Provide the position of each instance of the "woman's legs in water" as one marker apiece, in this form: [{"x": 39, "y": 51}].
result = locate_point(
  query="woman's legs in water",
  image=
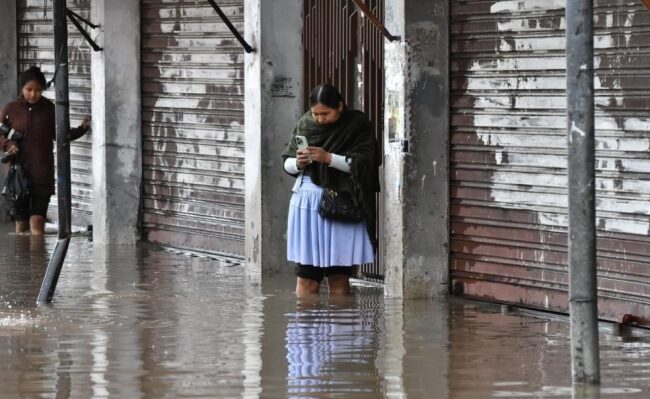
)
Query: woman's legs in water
[
  {"x": 309, "y": 278},
  {"x": 22, "y": 227},
  {"x": 339, "y": 284},
  {"x": 37, "y": 225},
  {"x": 30, "y": 215},
  {"x": 306, "y": 286}
]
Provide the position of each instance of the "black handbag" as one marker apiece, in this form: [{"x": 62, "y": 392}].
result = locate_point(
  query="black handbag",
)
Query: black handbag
[
  {"x": 16, "y": 188},
  {"x": 341, "y": 206}
]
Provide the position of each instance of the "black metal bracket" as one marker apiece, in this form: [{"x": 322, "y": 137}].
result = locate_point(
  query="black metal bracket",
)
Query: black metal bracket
[
  {"x": 375, "y": 21},
  {"x": 224, "y": 18},
  {"x": 82, "y": 19},
  {"x": 74, "y": 18}
]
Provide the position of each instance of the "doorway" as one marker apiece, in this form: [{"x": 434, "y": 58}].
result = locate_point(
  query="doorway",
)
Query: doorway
[{"x": 343, "y": 48}]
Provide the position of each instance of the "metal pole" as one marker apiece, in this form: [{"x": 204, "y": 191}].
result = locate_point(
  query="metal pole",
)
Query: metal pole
[
  {"x": 375, "y": 21},
  {"x": 231, "y": 27},
  {"x": 583, "y": 305},
  {"x": 62, "y": 154},
  {"x": 75, "y": 22}
]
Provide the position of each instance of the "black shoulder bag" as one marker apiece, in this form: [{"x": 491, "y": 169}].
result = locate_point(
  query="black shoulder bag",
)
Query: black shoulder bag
[
  {"x": 341, "y": 206},
  {"x": 16, "y": 188}
]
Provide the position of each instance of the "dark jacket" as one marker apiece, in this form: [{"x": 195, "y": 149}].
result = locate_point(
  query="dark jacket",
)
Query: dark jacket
[{"x": 37, "y": 124}]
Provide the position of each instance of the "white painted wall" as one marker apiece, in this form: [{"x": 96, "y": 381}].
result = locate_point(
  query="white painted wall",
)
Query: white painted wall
[{"x": 273, "y": 105}]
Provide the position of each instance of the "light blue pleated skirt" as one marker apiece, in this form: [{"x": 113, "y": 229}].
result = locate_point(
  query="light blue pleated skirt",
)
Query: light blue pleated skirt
[{"x": 316, "y": 241}]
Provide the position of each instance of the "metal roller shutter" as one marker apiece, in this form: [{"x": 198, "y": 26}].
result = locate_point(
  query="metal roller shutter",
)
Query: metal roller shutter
[
  {"x": 36, "y": 47},
  {"x": 193, "y": 126},
  {"x": 509, "y": 178}
]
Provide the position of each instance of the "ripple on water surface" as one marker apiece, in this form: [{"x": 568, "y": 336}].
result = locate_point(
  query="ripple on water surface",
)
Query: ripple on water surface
[{"x": 131, "y": 322}]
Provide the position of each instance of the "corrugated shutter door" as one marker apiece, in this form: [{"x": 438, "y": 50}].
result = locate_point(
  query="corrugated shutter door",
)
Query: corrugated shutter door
[
  {"x": 36, "y": 47},
  {"x": 509, "y": 178},
  {"x": 193, "y": 126}
]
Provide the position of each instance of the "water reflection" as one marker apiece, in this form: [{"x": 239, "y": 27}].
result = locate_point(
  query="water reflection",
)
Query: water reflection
[
  {"x": 391, "y": 350},
  {"x": 141, "y": 322},
  {"x": 328, "y": 339},
  {"x": 252, "y": 320}
]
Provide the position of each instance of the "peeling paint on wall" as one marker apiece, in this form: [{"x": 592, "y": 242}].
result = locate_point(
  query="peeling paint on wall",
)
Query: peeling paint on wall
[
  {"x": 193, "y": 118},
  {"x": 509, "y": 144},
  {"x": 394, "y": 91},
  {"x": 486, "y": 78}
]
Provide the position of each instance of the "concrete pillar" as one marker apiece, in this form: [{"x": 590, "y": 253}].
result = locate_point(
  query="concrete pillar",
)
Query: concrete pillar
[
  {"x": 8, "y": 52},
  {"x": 117, "y": 122},
  {"x": 273, "y": 105},
  {"x": 8, "y": 67},
  {"x": 416, "y": 189}
]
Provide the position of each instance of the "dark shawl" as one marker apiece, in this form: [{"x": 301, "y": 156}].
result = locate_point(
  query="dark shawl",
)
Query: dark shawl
[{"x": 351, "y": 136}]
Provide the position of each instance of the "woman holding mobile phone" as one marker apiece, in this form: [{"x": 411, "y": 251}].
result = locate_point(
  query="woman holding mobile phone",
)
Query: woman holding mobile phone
[{"x": 341, "y": 154}]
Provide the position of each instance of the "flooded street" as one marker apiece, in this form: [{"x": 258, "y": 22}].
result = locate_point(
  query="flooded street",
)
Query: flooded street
[{"x": 148, "y": 323}]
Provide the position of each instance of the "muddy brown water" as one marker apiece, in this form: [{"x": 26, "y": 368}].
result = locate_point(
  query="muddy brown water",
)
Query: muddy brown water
[{"x": 144, "y": 322}]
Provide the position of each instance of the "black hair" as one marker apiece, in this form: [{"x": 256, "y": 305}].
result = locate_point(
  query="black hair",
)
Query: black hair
[
  {"x": 33, "y": 73},
  {"x": 325, "y": 94}
]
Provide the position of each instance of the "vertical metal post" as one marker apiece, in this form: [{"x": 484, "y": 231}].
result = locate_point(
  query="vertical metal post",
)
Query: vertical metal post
[
  {"x": 62, "y": 153},
  {"x": 583, "y": 305}
]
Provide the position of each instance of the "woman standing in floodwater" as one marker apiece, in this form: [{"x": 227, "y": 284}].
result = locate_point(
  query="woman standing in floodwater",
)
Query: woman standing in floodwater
[
  {"x": 341, "y": 155},
  {"x": 32, "y": 115}
]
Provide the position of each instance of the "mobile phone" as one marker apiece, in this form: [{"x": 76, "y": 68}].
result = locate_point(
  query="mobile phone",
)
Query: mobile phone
[{"x": 302, "y": 142}]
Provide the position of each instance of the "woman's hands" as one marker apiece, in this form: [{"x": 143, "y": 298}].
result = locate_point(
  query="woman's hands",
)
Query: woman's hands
[
  {"x": 319, "y": 155},
  {"x": 85, "y": 124},
  {"x": 302, "y": 159},
  {"x": 312, "y": 154},
  {"x": 12, "y": 150}
]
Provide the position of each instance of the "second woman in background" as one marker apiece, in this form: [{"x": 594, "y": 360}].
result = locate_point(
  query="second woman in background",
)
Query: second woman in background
[{"x": 32, "y": 115}]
